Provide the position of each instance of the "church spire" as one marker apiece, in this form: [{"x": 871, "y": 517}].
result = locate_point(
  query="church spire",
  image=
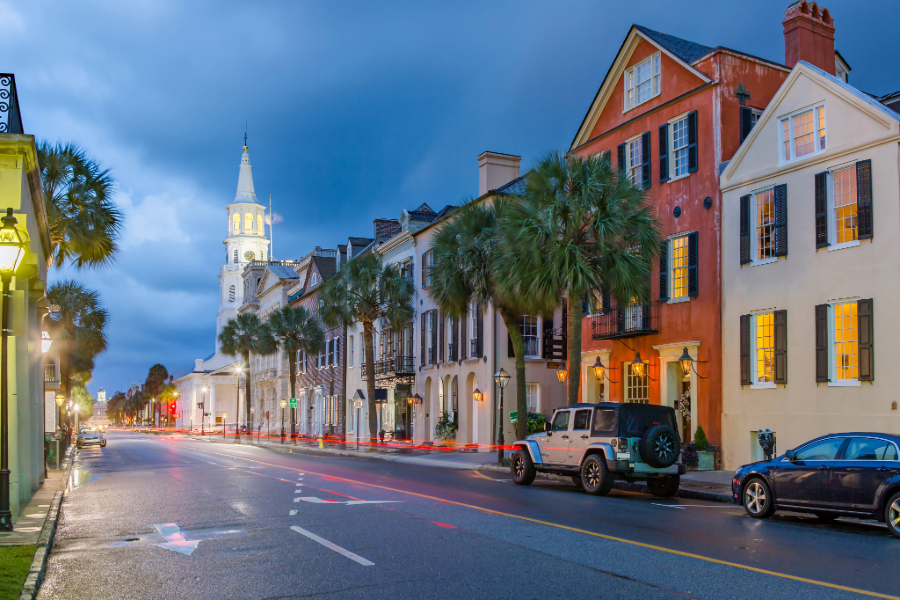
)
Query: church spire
[{"x": 245, "y": 191}]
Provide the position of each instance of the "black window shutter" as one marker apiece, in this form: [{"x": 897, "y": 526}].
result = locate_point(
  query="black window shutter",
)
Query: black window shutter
[
  {"x": 781, "y": 218},
  {"x": 479, "y": 333},
  {"x": 692, "y": 141},
  {"x": 424, "y": 335},
  {"x": 746, "y": 122},
  {"x": 865, "y": 323},
  {"x": 645, "y": 156},
  {"x": 745, "y": 350},
  {"x": 821, "y": 210},
  {"x": 692, "y": 264},
  {"x": 424, "y": 268},
  {"x": 745, "y": 229},
  {"x": 781, "y": 346},
  {"x": 434, "y": 336},
  {"x": 442, "y": 318},
  {"x": 821, "y": 343},
  {"x": 664, "y": 153},
  {"x": 664, "y": 270},
  {"x": 621, "y": 157},
  {"x": 864, "y": 199}
]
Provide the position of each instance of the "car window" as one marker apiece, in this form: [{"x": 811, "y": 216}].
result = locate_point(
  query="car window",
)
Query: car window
[
  {"x": 604, "y": 420},
  {"x": 867, "y": 449},
  {"x": 824, "y": 450},
  {"x": 561, "y": 421},
  {"x": 890, "y": 452},
  {"x": 582, "y": 419}
]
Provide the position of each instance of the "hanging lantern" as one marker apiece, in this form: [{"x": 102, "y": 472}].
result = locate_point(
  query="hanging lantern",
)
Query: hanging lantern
[
  {"x": 686, "y": 361},
  {"x": 561, "y": 374},
  {"x": 598, "y": 369},
  {"x": 638, "y": 366},
  {"x": 478, "y": 395}
]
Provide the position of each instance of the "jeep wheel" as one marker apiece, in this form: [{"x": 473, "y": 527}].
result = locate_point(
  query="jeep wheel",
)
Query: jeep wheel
[
  {"x": 659, "y": 446},
  {"x": 521, "y": 467},
  {"x": 664, "y": 487},
  {"x": 595, "y": 476},
  {"x": 757, "y": 499},
  {"x": 892, "y": 514}
]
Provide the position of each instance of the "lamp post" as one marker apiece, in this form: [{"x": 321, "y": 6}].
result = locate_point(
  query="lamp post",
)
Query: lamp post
[
  {"x": 501, "y": 377},
  {"x": 283, "y": 406},
  {"x": 12, "y": 250},
  {"x": 224, "y": 417},
  {"x": 203, "y": 411}
]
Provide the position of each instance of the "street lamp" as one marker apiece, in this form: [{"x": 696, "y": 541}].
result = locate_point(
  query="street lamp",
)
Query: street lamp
[
  {"x": 12, "y": 250},
  {"x": 685, "y": 361},
  {"x": 224, "y": 421},
  {"x": 283, "y": 406},
  {"x": 477, "y": 395},
  {"x": 501, "y": 378},
  {"x": 598, "y": 369},
  {"x": 561, "y": 374},
  {"x": 638, "y": 366}
]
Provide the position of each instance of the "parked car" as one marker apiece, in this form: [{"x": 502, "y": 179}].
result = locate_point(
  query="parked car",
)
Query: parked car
[
  {"x": 91, "y": 436},
  {"x": 596, "y": 444},
  {"x": 844, "y": 474}
]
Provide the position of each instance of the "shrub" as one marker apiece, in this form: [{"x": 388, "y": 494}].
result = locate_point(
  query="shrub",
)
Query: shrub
[
  {"x": 445, "y": 429},
  {"x": 700, "y": 439},
  {"x": 536, "y": 422}
]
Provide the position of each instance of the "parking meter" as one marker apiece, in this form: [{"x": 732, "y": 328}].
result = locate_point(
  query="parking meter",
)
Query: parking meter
[{"x": 766, "y": 439}]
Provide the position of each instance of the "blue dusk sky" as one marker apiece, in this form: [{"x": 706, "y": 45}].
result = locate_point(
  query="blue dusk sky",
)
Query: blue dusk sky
[{"x": 355, "y": 110}]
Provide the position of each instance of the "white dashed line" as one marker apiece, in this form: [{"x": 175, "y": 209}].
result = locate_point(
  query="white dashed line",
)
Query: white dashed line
[
  {"x": 335, "y": 547},
  {"x": 292, "y": 513}
]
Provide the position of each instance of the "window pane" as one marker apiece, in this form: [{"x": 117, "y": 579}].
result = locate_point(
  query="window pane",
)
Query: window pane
[
  {"x": 582, "y": 420},
  {"x": 604, "y": 420},
  {"x": 846, "y": 229},
  {"x": 679, "y": 146},
  {"x": 765, "y": 348},
  {"x": 866, "y": 449},
  {"x": 638, "y": 386},
  {"x": 890, "y": 453},
  {"x": 786, "y": 136},
  {"x": 846, "y": 346},
  {"x": 679, "y": 267},
  {"x": 561, "y": 421},
  {"x": 821, "y": 118},
  {"x": 529, "y": 327},
  {"x": 532, "y": 396},
  {"x": 804, "y": 134},
  {"x": 824, "y": 450},
  {"x": 765, "y": 225},
  {"x": 636, "y": 160},
  {"x": 642, "y": 81}
]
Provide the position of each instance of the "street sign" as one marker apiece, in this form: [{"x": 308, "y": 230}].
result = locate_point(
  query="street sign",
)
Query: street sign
[
  {"x": 293, "y": 403},
  {"x": 514, "y": 416}
]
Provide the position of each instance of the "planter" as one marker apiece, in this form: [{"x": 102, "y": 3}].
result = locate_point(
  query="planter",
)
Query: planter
[{"x": 706, "y": 460}]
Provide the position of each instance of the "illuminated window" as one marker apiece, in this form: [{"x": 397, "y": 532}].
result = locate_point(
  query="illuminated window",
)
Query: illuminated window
[
  {"x": 765, "y": 348},
  {"x": 248, "y": 223},
  {"x": 680, "y": 267},
  {"x": 845, "y": 220},
  {"x": 642, "y": 81},
  {"x": 846, "y": 343},
  {"x": 803, "y": 134},
  {"x": 765, "y": 225},
  {"x": 236, "y": 223},
  {"x": 638, "y": 388},
  {"x": 259, "y": 223}
]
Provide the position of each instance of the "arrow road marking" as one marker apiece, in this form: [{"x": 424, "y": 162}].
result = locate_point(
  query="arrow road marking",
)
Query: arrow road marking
[
  {"x": 175, "y": 539},
  {"x": 315, "y": 500},
  {"x": 335, "y": 547}
]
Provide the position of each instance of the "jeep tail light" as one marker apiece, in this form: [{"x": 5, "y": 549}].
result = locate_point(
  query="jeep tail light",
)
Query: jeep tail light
[{"x": 623, "y": 444}]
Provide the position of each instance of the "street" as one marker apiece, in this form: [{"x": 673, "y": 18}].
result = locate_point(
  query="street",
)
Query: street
[{"x": 171, "y": 517}]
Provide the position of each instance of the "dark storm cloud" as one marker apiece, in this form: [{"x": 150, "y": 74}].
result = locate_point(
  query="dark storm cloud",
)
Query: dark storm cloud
[{"x": 355, "y": 110}]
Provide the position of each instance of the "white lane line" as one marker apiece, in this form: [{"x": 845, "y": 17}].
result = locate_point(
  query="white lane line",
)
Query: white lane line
[
  {"x": 683, "y": 506},
  {"x": 292, "y": 513},
  {"x": 335, "y": 547}
]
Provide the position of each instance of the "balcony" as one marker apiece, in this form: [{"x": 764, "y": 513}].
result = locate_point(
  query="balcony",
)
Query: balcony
[
  {"x": 392, "y": 369},
  {"x": 629, "y": 320},
  {"x": 10, "y": 119},
  {"x": 50, "y": 374}
]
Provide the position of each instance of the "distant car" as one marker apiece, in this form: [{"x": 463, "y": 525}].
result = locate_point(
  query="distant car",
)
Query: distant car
[
  {"x": 595, "y": 444},
  {"x": 91, "y": 437},
  {"x": 844, "y": 474}
]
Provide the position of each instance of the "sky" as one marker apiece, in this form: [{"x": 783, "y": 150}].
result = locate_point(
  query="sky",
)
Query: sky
[{"x": 353, "y": 110}]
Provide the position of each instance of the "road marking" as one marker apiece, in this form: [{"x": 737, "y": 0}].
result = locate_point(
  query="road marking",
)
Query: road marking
[
  {"x": 335, "y": 547},
  {"x": 292, "y": 513},
  {"x": 683, "y": 506},
  {"x": 717, "y": 561},
  {"x": 175, "y": 539},
  {"x": 314, "y": 500}
]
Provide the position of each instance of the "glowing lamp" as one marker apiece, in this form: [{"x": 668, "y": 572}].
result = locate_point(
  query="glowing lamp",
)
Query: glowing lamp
[
  {"x": 60, "y": 398},
  {"x": 561, "y": 374},
  {"x": 12, "y": 246},
  {"x": 598, "y": 369},
  {"x": 685, "y": 361},
  {"x": 417, "y": 398},
  {"x": 283, "y": 403},
  {"x": 501, "y": 377},
  {"x": 476, "y": 393},
  {"x": 45, "y": 342},
  {"x": 637, "y": 366}
]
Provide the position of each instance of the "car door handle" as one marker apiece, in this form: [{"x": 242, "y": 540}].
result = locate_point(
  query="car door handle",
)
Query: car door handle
[
  {"x": 565, "y": 437},
  {"x": 584, "y": 437}
]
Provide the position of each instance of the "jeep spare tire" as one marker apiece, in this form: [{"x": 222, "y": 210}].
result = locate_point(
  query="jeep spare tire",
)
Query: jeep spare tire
[{"x": 659, "y": 446}]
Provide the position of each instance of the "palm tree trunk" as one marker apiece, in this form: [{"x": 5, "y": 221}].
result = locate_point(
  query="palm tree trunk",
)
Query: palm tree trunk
[
  {"x": 515, "y": 334},
  {"x": 292, "y": 375},
  {"x": 370, "y": 380},
  {"x": 574, "y": 349}
]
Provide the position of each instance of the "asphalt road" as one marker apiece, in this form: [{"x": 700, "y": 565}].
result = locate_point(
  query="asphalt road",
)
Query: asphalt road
[{"x": 170, "y": 517}]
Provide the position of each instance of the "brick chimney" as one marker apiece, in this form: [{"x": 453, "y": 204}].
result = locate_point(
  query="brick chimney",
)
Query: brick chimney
[
  {"x": 809, "y": 35},
  {"x": 496, "y": 170}
]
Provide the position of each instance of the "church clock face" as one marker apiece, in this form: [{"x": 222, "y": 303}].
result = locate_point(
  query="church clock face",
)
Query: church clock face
[{"x": 248, "y": 255}]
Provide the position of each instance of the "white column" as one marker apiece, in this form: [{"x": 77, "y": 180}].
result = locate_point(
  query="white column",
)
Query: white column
[
  {"x": 212, "y": 405},
  {"x": 193, "y": 408}
]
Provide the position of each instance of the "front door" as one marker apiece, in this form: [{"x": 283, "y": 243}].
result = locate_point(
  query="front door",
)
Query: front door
[
  {"x": 579, "y": 436},
  {"x": 806, "y": 480},
  {"x": 557, "y": 446},
  {"x": 865, "y": 465}
]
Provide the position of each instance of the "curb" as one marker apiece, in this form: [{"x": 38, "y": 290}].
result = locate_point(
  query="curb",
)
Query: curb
[{"x": 45, "y": 540}]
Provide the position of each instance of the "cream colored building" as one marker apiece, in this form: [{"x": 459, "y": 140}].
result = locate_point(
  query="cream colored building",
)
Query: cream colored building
[{"x": 811, "y": 249}]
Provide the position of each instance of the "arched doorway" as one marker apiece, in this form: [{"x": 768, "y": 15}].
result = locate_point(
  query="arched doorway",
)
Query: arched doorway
[{"x": 427, "y": 409}]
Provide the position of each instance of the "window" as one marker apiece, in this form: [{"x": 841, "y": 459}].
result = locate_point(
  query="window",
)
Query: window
[
  {"x": 764, "y": 327},
  {"x": 604, "y": 420},
  {"x": 765, "y": 225},
  {"x": 236, "y": 223},
  {"x": 824, "y": 450},
  {"x": 680, "y": 267},
  {"x": 642, "y": 81},
  {"x": 431, "y": 323},
  {"x": 679, "y": 158},
  {"x": 236, "y": 256},
  {"x": 533, "y": 397},
  {"x": 634, "y": 156},
  {"x": 362, "y": 350},
  {"x": 870, "y": 449},
  {"x": 313, "y": 279},
  {"x": 231, "y": 293},
  {"x": 582, "y": 420},
  {"x": 248, "y": 223},
  {"x": 561, "y": 421},
  {"x": 529, "y": 326},
  {"x": 846, "y": 341},
  {"x": 638, "y": 388},
  {"x": 351, "y": 348},
  {"x": 803, "y": 134},
  {"x": 302, "y": 368},
  {"x": 844, "y": 198},
  {"x": 427, "y": 263}
]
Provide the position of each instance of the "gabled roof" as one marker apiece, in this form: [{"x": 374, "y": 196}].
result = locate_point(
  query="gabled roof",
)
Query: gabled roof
[
  {"x": 516, "y": 187},
  {"x": 426, "y": 216},
  {"x": 358, "y": 242},
  {"x": 325, "y": 266},
  {"x": 687, "y": 51}
]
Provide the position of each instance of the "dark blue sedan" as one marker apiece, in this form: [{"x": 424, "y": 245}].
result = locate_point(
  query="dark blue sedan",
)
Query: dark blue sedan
[{"x": 844, "y": 474}]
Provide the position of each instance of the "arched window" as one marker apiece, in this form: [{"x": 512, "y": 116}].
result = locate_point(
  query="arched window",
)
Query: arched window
[
  {"x": 314, "y": 279},
  {"x": 248, "y": 223},
  {"x": 236, "y": 257},
  {"x": 236, "y": 223},
  {"x": 259, "y": 223},
  {"x": 231, "y": 293}
]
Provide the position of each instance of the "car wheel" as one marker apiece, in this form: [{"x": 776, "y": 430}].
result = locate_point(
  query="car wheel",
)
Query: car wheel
[
  {"x": 757, "y": 499},
  {"x": 595, "y": 476},
  {"x": 892, "y": 514},
  {"x": 826, "y": 517},
  {"x": 664, "y": 487},
  {"x": 522, "y": 467},
  {"x": 103, "y": 444},
  {"x": 659, "y": 446},
  {"x": 576, "y": 479}
]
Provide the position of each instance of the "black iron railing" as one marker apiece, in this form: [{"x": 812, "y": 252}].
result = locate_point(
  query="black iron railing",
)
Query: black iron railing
[
  {"x": 10, "y": 118},
  {"x": 626, "y": 321}
]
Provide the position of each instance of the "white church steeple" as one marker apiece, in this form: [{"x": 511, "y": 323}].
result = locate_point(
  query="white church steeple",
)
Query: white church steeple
[{"x": 245, "y": 191}]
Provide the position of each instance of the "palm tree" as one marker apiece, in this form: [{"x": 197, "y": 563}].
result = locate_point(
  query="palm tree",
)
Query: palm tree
[
  {"x": 580, "y": 230},
  {"x": 294, "y": 331},
  {"x": 465, "y": 271},
  {"x": 364, "y": 291},
  {"x": 241, "y": 336},
  {"x": 78, "y": 327},
  {"x": 84, "y": 221},
  {"x": 156, "y": 379}
]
